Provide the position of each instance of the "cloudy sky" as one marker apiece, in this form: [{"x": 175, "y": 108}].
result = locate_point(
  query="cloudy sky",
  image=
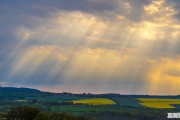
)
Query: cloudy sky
[{"x": 96, "y": 46}]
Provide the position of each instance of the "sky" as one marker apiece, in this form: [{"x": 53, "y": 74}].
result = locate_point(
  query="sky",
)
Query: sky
[{"x": 92, "y": 46}]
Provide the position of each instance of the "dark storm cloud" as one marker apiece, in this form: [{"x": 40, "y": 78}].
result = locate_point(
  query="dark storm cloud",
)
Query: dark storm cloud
[
  {"x": 27, "y": 13},
  {"x": 19, "y": 11},
  {"x": 86, "y": 5},
  {"x": 42, "y": 8},
  {"x": 102, "y": 7}
]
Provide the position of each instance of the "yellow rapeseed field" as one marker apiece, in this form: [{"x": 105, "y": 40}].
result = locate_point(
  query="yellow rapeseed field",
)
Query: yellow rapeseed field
[
  {"x": 95, "y": 101},
  {"x": 159, "y": 102}
]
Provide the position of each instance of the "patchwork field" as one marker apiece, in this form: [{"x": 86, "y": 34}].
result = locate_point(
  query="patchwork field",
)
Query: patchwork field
[
  {"x": 95, "y": 101},
  {"x": 159, "y": 102}
]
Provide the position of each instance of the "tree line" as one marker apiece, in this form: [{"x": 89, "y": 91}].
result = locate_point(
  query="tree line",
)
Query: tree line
[{"x": 33, "y": 113}]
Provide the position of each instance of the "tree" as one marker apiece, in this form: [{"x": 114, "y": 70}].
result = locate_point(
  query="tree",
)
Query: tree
[
  {"x": 43, "y": 116},
  {"x": 70, "y": 117},
  {"x": 58, "y": 116},
  {"x": 22, "y": 113}
]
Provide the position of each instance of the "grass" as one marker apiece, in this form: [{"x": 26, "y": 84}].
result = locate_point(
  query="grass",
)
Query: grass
[
  {"x": 21, "y": 100},
  {"x": 95, "y": 101},
  {"x": 159, "y": 102},
  {"x": 78, "y": 109},
  {"x": 129, "y": 102},
  {"x": 82, "y": 109}
]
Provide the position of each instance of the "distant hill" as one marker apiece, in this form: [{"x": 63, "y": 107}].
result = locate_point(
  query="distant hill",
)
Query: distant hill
[
  {"x": 11, "y": 93},
  {"x": 14, "y": 89},
  {"x": 20, "y": 93}
]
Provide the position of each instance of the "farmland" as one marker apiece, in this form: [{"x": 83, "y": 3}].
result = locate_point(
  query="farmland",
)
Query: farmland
[
  {"x": 159, "y": 102},
  {"x": 102, "y": 106},
  {"x": 95, "y": 101}
]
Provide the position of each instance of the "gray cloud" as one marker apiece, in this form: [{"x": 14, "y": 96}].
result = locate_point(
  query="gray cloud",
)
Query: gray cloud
[
  {"x": 30, "y": 13},
  {"x": 39, "y": 16},
  {"x": 164, "y": 48},
  {"x": 176, "y": 5},
  {"x": 175, "y": 72}
]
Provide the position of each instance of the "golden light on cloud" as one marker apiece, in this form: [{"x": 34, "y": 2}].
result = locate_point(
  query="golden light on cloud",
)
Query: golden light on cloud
[
  {"x": 83, "y": 28},
  {"x": 104, "y": 50},
  {"x": 154, "y": 7},
  {"x": 96, "y": 63},
  {"x": 148, "y": 31},
  {"x": 164, "y": 76},
  {"x": 40, "y": 54},
  {"x": 159, "y": 11},
  {"x": 81, "y": 25}
]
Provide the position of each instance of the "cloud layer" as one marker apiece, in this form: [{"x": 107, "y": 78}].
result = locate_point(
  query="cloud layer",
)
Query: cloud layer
[{"x": 126, "y": 46}]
